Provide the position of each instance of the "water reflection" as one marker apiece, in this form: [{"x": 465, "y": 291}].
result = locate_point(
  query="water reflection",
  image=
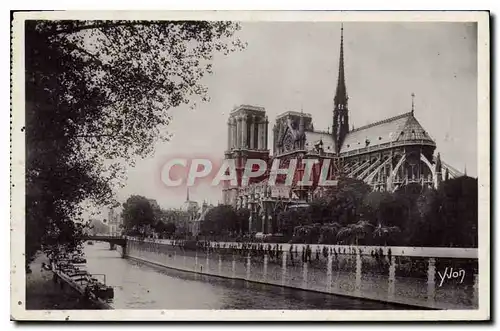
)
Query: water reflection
[{"x": 141, "y": 286}]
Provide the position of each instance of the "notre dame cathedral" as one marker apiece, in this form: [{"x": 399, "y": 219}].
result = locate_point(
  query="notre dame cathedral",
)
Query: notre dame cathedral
[{"x": 389, "y": 154}]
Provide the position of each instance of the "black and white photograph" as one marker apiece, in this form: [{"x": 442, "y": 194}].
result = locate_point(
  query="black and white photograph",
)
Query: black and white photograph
[{"x": 250, "y": 166}]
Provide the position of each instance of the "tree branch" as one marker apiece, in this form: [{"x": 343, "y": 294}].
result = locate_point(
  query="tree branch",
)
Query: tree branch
[{"x": 106, "y": 24}]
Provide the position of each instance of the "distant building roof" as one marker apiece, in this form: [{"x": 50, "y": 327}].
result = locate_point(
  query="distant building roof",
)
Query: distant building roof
[{"x": 190, "y": 206}]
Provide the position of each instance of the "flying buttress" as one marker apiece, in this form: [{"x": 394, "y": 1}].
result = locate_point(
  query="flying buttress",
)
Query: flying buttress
[
  {"x": 367, "y": 171},
  {"x": 370, "y": 177}
]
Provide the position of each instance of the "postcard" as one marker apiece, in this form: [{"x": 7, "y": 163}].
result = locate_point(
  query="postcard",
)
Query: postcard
[{"x": 250, "y": 166}]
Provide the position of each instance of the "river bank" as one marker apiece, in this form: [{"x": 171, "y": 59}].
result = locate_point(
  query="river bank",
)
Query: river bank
[{"x": 43, "y": 294}]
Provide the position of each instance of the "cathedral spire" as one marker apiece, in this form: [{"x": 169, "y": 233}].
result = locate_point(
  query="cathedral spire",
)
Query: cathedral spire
[
  {"x": 187, "y": 194},
  {"x": 340, "y": 126},
  {"x": 341, "y": 92}
]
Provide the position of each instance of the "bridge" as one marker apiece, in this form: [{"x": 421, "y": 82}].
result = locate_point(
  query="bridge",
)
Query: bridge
[{"x": 112, "y": 240}]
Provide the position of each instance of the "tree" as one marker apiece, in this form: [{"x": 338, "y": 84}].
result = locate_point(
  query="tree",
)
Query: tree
[
  {"x": 389, "y": 212},
  {"x": 450, "y": 215},
  {"x": 409, "y": 217},
  {"x": 328, "y": 233},
  {"x": 160, "y": 227},
  {"x": 170, "y": 228},
  {"x": 66, "y": 236},
  {"x": 383, "y": 233},
  {"x": 98, "y": 93},
  {"x": 293, "y": 217},
  {"x": 320, "y": 210},
  {"x": 308, "y": 234},
  {"x": 138, "y": 215},
  {"x": 342, "y": 203},
  {"x": 354, "y": 232},
  {"x": 219, "y": 220}
]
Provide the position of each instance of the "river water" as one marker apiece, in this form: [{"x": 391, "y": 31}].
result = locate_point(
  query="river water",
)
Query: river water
[{"x": 142, "y": 286}]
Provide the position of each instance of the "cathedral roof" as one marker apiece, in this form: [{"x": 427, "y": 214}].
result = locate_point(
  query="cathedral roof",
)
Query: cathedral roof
[
  {"x": 293, "y": 113},
  {"x": 403, "y": 127},
  {"x": 314, "y": 137}
]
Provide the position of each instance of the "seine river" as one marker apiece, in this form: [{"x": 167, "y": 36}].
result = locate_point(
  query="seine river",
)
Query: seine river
[{"x": 141, "y": 286}]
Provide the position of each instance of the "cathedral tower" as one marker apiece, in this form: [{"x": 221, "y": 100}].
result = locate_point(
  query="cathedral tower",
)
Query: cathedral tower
[
  {"x": 340, "y": 112},
  {"x": 247, "y": 138}
]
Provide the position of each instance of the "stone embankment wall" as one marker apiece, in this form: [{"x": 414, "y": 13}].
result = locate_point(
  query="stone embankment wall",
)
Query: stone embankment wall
[{"x": 440, "y": 278}]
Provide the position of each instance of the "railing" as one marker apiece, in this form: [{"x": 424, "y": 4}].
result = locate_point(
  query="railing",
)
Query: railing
[
  {"x": 101, "y": 237},
  {"x": 436, "y": 252},
  {"x": 387, "y": 146}
]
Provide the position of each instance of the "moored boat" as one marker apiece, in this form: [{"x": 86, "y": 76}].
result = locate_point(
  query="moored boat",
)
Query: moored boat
[
  {"x": 100, "y": 290},
  {"x": 87, "y": 284},
  {"x": 78, "y": 260}
]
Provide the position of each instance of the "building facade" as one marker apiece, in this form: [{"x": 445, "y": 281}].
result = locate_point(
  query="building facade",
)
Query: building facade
[
  {"x": 389, "y": 154},
  {"x": 197, "y": 223},
  {"x": 114, "y": 222},
  {"x": 189, "y": 211}
]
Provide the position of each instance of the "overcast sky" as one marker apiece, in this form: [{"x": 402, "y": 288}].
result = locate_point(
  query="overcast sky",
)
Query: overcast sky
[{"x": 287, "y": 66}]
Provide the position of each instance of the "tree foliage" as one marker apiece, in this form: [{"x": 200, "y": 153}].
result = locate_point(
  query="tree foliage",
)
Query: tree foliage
[
  {"x": 345, "y": 201},
  {"x": 164, "y": 229},
  {"x": 138, "y": 215},
  {"x": 450, "y": 215},
  {"x": 411, "y": 216},
  {"x": 383, "y": 233},
  {"x": 328, "y": 233},
  {"x": 220, "y": 220},
  {"x": 352, "y": 233},
  {"x": 290, "y": 219},
  {"x": 98, "y": 93}
]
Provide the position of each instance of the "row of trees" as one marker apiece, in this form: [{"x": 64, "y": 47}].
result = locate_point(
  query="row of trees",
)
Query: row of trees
[
  {"x": 411, "y": 216},
  {"x": 142, "y": 216},
  {"x": 352, "y": 213},
  {"x": 225, "y": 220}
]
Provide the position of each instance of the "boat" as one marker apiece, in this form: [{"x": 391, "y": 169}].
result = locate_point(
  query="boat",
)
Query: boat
[
  {"x": 84, "y": 281},
  {"x": 79, "y": 260},
  {"x": 90, "y": 242},
  {"x": 100, "y": 290}
]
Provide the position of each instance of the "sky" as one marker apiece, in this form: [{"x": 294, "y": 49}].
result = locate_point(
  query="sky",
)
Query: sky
[{"x": 294, "y": 65}]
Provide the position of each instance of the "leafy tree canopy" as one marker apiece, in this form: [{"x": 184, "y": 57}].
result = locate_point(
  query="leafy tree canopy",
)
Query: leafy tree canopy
[
  {"x": 138, "y": 215},
  {"x": 412, "y": 216},
  {"x": 98, "y": 93},
  {"x": 220, "y": 220}
]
